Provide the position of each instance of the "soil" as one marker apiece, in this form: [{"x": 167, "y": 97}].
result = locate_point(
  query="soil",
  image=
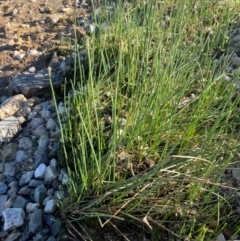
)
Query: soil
[{"x": 34, "y": 25}]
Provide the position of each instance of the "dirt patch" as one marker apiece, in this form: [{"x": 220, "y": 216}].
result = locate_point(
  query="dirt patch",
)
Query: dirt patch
[{"x": 34, "y": 25}]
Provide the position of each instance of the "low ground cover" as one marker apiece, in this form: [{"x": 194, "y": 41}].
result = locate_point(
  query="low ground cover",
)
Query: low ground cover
[{"x": 151, "y": 124}]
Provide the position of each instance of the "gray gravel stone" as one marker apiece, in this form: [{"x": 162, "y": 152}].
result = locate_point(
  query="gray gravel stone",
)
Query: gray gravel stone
[
  {"x": 13, "y": 191},
  {"x": 36, "y": 122},
  {"x": 31, "y": 207},
  {"x": 9, "y": 169},
  {"x": 40, "y": 171},
  {"x": 21, "y": 156},
  {"x": 25, "y": 143},
  {"x": 55, "y": 227},
  {"x": 50, "y": 174},
  {"x": 49, "y": 219},
  {"x": 13, "y": 218},
  {"x": 26, "y": 178},
  {"x": 35, "y": 222},
  {"x": 53, "y": 162},
  {"x": 3, "y": 234},
  {"x": 41, "y": 158},
  {"x": 35, "y": 183},
  {"x": 3, "y": 188},
  {"x": 10, "y": 201},
  {"x": 51, "y": 206},
  {"x": 43, "y": 141},
  {"x": 40, "y": 130},
  {"x": 45, "y": 114},
  {"x": 25, "y": 191},
  {"x": 3, "y": 200},
  {"x": 13, "y": 236},
  {"x": 20, "y": 202},
  {"x": 40, "y": 193},
  {"x": 51, "y": 124}
]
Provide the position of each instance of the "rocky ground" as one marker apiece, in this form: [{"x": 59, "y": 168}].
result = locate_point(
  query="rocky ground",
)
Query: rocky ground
[{"x": 33, "y": 36}]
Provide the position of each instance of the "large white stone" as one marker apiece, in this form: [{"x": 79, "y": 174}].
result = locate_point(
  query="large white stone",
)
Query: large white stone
[{"x": 13, "y": 218}]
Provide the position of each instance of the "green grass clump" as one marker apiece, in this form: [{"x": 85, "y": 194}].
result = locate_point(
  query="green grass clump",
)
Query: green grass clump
[{"x": 151, "y": 126}]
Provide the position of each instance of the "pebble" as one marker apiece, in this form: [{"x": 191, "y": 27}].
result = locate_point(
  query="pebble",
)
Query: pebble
[
  {"x": 32, "y": 52},
  {"x": 35, "y": 222},
  {"x": 51, "y": 173},
  {"x": 25, "y": 143},
  {"x": 51, "y": 206},
  {"x": 32, "y": 69},
  {"x": 3, "y": 188},
  {"x": 26, "y": 178},
  {"x": 40, "y": 171},
  {"x": 31, "y": 207},
  {"x": 21, "y": 156},
  {"x": 40, "y": 193}
]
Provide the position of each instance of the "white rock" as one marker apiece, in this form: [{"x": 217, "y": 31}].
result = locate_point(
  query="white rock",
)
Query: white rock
[
  {"x": 51, "y": 206},
  {"x": 40, "y": 171},
  {"x": 55, "y": 19},
  {"x": 13, "y": 218},
  {"x": 31, "y": 206},
  {"x": 19, "y": 56},
  {"x": 50, "y": 174},
  {"x": 236, "y": 173},
  {"x": 32, "y": 52},
  {"x": 15, "y": 52},
  {"x": 32, "y": 69}
]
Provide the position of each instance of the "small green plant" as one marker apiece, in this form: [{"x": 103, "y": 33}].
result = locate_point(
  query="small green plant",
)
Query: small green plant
[{"x": 151, "y": 126}]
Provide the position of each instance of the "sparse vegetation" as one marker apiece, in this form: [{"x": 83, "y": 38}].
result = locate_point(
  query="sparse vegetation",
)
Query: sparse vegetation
[{"x": 151, "y": 126}]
